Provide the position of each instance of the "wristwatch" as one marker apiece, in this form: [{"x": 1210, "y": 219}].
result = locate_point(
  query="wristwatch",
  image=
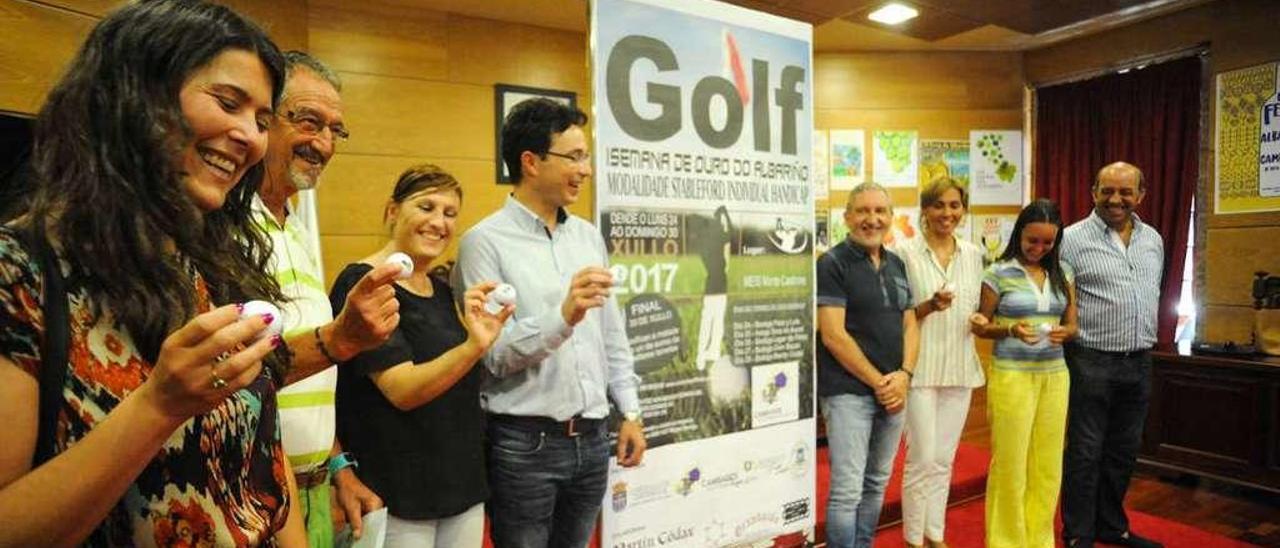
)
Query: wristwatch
[
  {"x": 340, "y": 461},
  {"x": 633, "y": 416}
]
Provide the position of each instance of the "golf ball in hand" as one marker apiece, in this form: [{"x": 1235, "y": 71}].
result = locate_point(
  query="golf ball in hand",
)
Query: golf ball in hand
[
  {"x": 500, "y": 297},
  {"x": 260, "y": 308},
  {"x": 1045, "y": 329},
  {"x": 406, "y": 264}
]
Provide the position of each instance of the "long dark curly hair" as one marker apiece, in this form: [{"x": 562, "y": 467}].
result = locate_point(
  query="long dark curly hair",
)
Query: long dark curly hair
[{"x": 109, "y": 183}]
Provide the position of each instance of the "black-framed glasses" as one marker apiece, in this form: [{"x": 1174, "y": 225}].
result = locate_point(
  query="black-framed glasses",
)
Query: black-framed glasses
[
  {"x": 578, "y": 157},
  {"x": 311, "y": 124}
]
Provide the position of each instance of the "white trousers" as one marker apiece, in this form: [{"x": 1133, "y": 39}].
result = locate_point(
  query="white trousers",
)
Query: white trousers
[
  {"x": 711, "y": 329},
  {"x": 465, "y": 530},
  {"x": 935, "y": 420}
]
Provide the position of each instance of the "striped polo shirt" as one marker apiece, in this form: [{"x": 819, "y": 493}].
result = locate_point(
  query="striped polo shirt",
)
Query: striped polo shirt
[
  {"x": 1118, "y": 286},
  {"x": 1021, "y": 300},
  {"x": 306, "y": 406},
  {"x": 947, "y": 354}
]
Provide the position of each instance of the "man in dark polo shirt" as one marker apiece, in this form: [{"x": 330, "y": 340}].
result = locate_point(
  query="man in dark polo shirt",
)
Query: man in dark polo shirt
[{"x": 865, "y": 363}]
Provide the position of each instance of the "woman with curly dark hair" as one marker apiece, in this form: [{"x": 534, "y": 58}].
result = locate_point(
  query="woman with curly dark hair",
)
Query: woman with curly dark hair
[{"x": 145, "y": 162}]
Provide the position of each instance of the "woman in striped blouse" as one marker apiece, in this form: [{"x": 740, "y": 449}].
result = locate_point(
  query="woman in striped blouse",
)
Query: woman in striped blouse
[
  {"x": 946, "y": 279},
  {"x": 1028, "y": 306}
]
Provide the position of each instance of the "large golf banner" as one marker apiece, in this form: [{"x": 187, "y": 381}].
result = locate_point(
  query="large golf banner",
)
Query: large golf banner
[{"x": 703, "y": 121}]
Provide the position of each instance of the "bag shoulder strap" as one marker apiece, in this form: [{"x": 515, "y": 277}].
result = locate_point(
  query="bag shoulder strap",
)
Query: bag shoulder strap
[{"x": 54, "y": 349}]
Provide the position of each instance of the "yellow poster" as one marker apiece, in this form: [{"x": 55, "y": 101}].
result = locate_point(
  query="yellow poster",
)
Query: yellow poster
[{"x": 1242, "y": 97}]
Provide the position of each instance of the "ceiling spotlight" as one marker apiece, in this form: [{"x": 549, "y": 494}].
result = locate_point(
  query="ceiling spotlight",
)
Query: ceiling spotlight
[{"x": 893, "y": 13}]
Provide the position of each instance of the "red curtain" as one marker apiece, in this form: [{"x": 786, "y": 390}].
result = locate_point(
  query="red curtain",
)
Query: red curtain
[{"x": 1149, "y": 118}]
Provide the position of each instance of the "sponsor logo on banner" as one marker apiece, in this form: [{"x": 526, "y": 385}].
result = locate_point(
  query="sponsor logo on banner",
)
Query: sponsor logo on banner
[
  {"x": 799, "y": 459},
  {"x": 663, "y": 538},
  {"x": 619, "y": 496},
  {"x": 789, "y": 237},
  {"x": 757, "y": 523},
  {"x": 796, "y": 510},
  {"x": 685, "y": 484}
]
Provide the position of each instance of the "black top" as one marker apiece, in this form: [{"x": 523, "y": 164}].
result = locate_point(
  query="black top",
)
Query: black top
[
  {"x": 873, "y": 302},
  {"x": 427, "y": 463}
]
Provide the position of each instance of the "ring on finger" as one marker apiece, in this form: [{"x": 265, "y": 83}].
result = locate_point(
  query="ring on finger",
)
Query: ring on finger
[{"x": 218, "y": 382}]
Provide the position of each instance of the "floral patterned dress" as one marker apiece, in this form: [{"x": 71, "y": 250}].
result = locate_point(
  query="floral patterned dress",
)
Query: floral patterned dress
[{"x": 219, "y": 480}]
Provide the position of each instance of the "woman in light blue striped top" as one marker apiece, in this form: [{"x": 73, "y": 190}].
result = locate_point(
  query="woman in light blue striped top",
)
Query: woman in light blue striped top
[{"x": 1028, "y": 306}]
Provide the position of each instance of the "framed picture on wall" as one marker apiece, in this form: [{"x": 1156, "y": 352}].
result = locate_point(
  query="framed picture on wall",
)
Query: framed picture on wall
[{"x": 506, "y": 97}]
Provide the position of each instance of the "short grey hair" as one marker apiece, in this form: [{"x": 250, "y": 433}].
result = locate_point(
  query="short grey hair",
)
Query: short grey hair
[
  {"x": 868, "y": 187},
  {"x": 294, "y": 59}
]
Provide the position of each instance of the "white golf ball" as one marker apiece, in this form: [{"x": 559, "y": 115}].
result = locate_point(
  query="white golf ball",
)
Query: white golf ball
[
  {"x": 406, "y": 264},
  {"x": 948, "y": 288},
  {"x": 1046, "y": 328},
  {"x": 260, "y": 308},
  {"x": 500, "y": 297}
]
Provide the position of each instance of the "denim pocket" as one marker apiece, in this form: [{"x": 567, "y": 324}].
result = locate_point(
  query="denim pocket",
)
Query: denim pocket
[{"x": 519, "y": 442}]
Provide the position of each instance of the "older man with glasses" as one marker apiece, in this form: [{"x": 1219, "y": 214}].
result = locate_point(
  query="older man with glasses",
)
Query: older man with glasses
[{"x": 302, "y": 139}]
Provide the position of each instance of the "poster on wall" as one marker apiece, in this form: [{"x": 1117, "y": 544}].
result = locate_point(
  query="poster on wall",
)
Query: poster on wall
[
  {"x": 943, "y": 158},
  {"x": 995, "y": 161},
  {"x": 705, "y": 194},
  {"x": 820, "y": 173},
  {"x": 1248, "y": 140},
  {"x": 836, "y": 225},
  {"x": 905, "y": 226},
  {"x": 848, "y": 158},
  {"x": 992, "y": 234},
  {"x": 896, "y": 158}
]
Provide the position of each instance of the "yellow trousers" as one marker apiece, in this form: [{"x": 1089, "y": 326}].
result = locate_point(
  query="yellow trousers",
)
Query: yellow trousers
[{"x": 1028, "y": 416}]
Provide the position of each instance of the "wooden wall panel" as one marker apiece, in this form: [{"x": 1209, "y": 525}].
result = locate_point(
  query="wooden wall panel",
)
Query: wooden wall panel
[
  {"x": 1232, "y": 255},
  {"x": 959, "y": 81},
  {"x": 368, "y": 38},
  {"x": 1240, "y": 33},
  {"x": 46, "y": 35},
  {"x": 42, "y": 39},
  {"x": 410, "y": 117},
  {"x": 488, "y": 52},
  {"x": 339, "y": 251},
  {"x": 1227, "y": 323},
  {"x": 96, "y": 8},
  {"x": 284, "y": 20},
  {"x": 418, "y": 87}
]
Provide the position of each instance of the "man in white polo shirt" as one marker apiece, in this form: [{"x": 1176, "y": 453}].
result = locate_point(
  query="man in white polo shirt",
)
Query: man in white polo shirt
[{"x": 308, "y": 125}]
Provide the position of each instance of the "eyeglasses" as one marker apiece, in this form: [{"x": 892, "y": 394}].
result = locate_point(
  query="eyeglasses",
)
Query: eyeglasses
[
  {"x": 578, "y": 157},
  {"x": 311, "y": 124}
]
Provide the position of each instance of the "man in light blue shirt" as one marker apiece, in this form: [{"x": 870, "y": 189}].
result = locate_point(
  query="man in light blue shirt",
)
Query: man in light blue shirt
[
  {"x": 565, "y": 350},
  {"x": 1118, "y": 262}
]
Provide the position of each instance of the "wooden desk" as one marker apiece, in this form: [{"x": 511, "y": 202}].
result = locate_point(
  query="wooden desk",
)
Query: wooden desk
[{"x": 1215, "y": 416}]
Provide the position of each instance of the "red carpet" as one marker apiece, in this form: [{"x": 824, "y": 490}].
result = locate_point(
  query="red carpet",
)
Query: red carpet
[
  {"x": 965, "y": 521},
  {"x": 965, "y": 529},
  {"x": 968, "y": 480}
]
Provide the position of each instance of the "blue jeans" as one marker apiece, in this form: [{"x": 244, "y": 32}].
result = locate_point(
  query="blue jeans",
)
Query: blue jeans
[
  {"x": 545, "y": 488},
  {"x": 863, "y": 440}
]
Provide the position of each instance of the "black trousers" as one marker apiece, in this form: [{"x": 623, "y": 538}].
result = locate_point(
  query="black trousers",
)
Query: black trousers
[{"x": 1110, "y": 392}]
